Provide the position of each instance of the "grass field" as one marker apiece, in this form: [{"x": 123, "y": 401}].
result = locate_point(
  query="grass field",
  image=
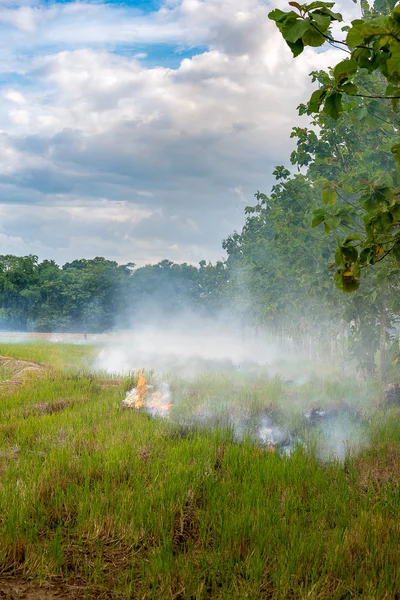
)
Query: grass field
[{"x": 98, "y": 501}]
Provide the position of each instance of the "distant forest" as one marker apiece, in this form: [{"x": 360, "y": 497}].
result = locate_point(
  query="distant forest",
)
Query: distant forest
[
  {"x": 261, "y": 285},
  {"x": 97, "y": 295}
]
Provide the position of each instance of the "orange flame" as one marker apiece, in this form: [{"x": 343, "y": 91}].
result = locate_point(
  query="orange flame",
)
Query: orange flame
[
  {"x": 141, "y": 391},
  {"x": 157, "y": 402},
  {"x": 137, "y": 398}
]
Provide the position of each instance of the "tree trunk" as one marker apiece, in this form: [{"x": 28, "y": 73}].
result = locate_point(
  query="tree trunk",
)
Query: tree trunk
[{"x": 382, "y": 343}]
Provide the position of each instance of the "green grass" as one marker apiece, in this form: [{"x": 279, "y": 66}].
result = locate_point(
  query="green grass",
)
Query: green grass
[
  {"x": 57, "y": 355},
  {"x": 5, "y": 373},
  {"x": 125, "y": 506}
]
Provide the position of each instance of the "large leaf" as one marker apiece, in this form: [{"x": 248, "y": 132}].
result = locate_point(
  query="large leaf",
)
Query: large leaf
[
  {"x": 313, "y": 37},
  {"x": 363, "y": 30},
  {"x": 333, "y": 221},
  {"x": 294, "y": 29},
  {"x": 396, "y": 252},
  {"x": 333, "y": 105},
  {"x": 349, "y": 88},
  {"x": 329, "y": 197},
  {"x": 383, "y": 222},
  {"x": 350, "y": 286},
  {"x": 348, "y": 66},
  {"x": 318, "y": 218},
  {"x": 322, "y": 21},
  {"x": 355, "y": 36},
  {"x": 296, "y": 48},
  {"x": 316, "y": 100},
  {"x": 334, "y": 16},
  {"x": 393, "y": 63},
  {"x": 277, "y": 15},
  {"x": 395, "y": 149},
  {"x": 349, "y": 253},
  {"x": 393, "y": 90}
]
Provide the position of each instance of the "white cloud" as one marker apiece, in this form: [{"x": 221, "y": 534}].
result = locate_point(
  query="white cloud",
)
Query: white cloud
[{"x": 131, "y": 158}]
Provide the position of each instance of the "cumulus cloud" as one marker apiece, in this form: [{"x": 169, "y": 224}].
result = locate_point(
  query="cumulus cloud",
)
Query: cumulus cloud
[{"x": 106, "y": 153}]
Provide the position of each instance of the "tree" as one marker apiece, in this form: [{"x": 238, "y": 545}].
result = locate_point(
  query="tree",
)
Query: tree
[{"x": 367, "y": 80}]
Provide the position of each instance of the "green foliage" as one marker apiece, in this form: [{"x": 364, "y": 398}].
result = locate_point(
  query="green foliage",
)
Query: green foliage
[
  {"x": 307, "y": 27},
  {"x": 347, "y": 184},
  {"x": 96, "y": 295},
  {"x": 363, "y": 90}
]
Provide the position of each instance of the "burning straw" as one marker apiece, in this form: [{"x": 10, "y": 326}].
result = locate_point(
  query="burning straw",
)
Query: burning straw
[{"x": 156, "y": 403}]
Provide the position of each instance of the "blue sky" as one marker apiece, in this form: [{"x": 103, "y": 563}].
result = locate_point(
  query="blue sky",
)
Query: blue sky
[{"x": 140, "y": 130}]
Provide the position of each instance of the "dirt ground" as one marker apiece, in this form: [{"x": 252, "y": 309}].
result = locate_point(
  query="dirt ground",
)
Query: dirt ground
[{"x": 19, "y": 589}]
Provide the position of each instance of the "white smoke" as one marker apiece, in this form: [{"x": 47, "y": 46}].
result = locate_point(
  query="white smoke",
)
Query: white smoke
[
  {"x": 193, "y": 350},
  {"x": 190, "y": 348}
]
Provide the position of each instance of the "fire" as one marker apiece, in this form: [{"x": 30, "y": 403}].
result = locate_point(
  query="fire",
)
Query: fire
[
  {"x": 159, "y": 402},
  {"x": 136, "y": 398},
  {"x": 141, "y": 391}
]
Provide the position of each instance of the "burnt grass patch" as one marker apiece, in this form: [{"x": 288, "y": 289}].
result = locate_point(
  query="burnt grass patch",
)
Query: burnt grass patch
[{"x": 40, "y": 409}]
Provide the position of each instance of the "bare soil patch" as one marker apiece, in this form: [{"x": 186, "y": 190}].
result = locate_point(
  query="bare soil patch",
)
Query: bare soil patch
[
  {"x": 18, "y": 588},
  {"x": 13, "y": 588}
]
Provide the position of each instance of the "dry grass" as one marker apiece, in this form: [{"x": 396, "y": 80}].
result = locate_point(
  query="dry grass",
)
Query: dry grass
[{"x": 16, "y": 372}]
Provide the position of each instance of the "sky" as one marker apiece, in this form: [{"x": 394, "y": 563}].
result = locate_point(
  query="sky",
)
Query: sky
[{"x": 139, "y": 131}]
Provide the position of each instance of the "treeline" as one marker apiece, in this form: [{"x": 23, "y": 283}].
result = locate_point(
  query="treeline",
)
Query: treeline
[{"x": 97, "y": 295}]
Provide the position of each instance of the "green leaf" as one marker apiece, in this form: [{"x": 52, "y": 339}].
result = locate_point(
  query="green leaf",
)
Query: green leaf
[
  {"x": 395, "y": 150},
  {"x": 334, "y": 16},
  {"x": 348, "y": 66},
  {"x": 396, "y": 252},
  {"x": 368, "y": 202},
  {"x": 296, "y": 48},
  {"x": 338, "y": 279},
  {"x": 333, "y": 105},
  {"x": 277, "y": 15},
  {"x": 355, "y": 36},
  {"x": 395, "y": 210},
  {"x": 365, "y": 6},
  {"x": 393, "y": 65},
  {"x": 383, "y": 222},
  {"x": 322, "y": 21},
  {"x": 332, "y": 221},
  {"x": 366, "y": 256},
  {"x": 317, "y": 219},
  {"x": 329, "y": 197},
  {"x": 313, "y": 37},
  {"x": 363, "y": 58},
  {"x": 294, "y": 30},
  {"x": 315, "y": 5},
  {"x": 349, "y": 88},
  {"x": 352, "y": 238},
  {"x": 383, "y": 196},
  {"x": 339, "y": 260},
  {"x": 350, "y": 286},
  {"x": 316, "y": 100},
  {"x": 349, "y": 253},
  {"x": 362, "y": 30}
]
